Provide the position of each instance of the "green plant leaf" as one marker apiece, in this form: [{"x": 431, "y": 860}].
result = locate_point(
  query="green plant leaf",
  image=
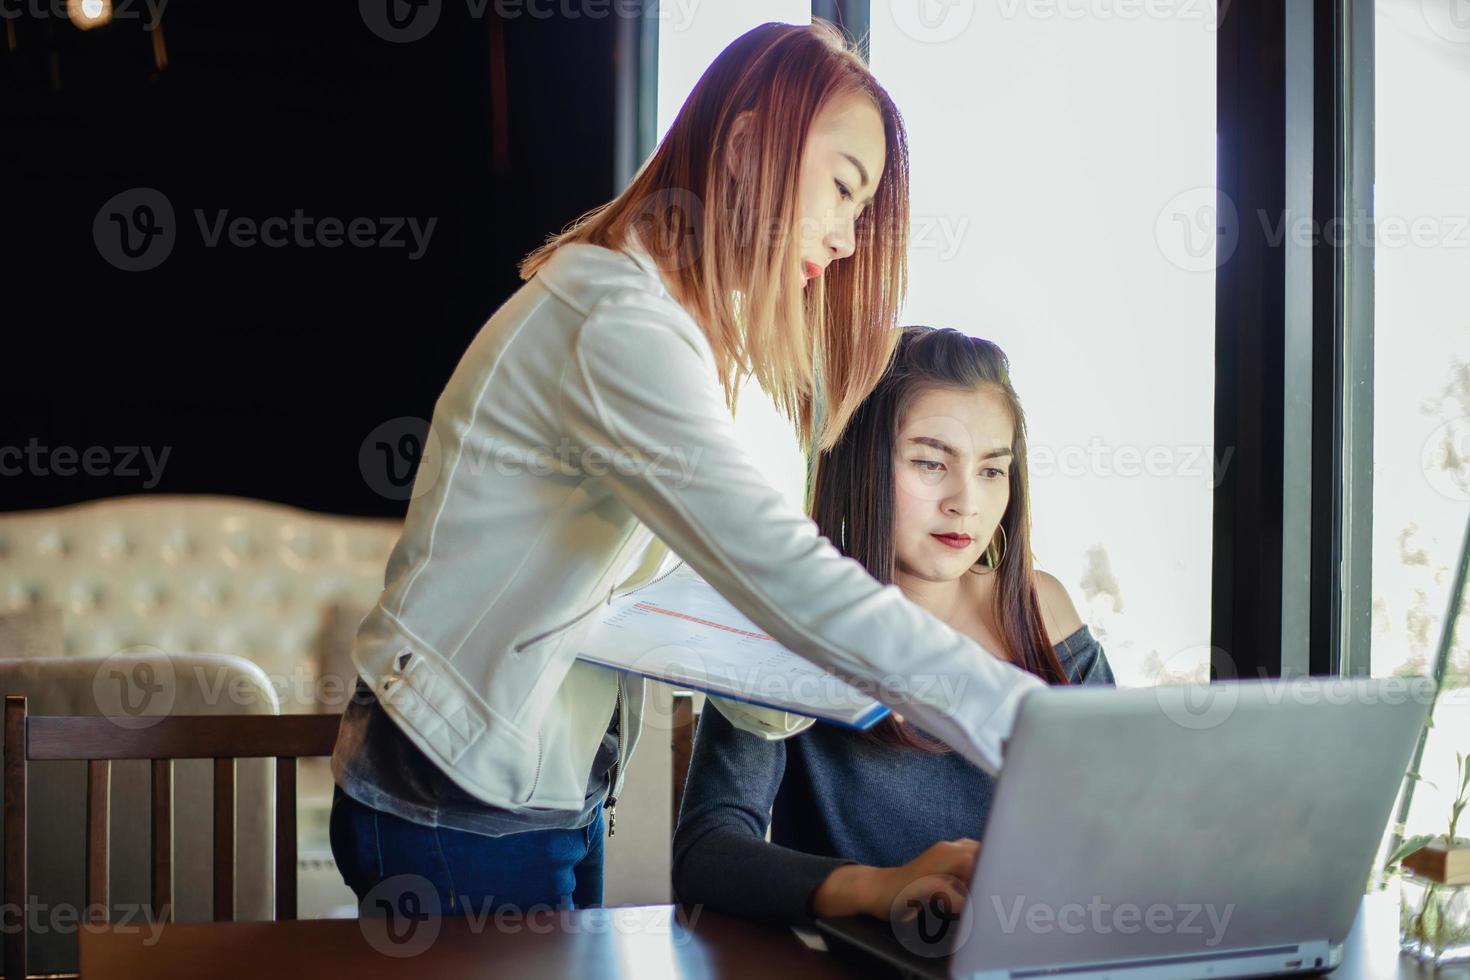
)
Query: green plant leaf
[
  {"x": 1409, "y": 847},
  {"x": 1420, "y": 779}
]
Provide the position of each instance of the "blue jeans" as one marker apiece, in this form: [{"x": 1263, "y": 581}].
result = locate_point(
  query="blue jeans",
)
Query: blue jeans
[{"x": 393, "y": 864}]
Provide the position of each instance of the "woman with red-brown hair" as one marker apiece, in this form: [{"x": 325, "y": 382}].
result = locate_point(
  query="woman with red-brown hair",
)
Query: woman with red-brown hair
[{"x": 586, "y": 440}]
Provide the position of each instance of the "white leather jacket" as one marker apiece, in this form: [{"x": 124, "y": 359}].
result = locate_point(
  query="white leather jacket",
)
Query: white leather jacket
[{"x": 580, "y": 449}]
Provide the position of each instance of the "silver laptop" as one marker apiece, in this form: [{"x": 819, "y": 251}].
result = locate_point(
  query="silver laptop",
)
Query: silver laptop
[{"x": 1221, "y": 830}]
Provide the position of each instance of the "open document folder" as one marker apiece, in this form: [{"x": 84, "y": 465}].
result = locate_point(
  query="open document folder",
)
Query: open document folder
[{"x": 679, "y": 630}]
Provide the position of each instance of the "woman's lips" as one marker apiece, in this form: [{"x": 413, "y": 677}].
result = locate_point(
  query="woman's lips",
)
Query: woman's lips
[
  {"x": 956, "y": 541},
  {"x": 811, "y": 269}
]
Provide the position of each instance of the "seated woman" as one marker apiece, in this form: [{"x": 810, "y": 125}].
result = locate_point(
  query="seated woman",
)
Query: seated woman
[{"x": 927, "y": 489}]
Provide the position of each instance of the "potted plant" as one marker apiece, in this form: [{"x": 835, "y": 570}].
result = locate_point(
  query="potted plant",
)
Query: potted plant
[{"x": 1434, "y": 891}]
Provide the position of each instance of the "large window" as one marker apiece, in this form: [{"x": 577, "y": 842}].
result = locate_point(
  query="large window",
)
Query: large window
[
  {"x": 1063, "y": 202},
  {"x": 1421, "y": 377}
]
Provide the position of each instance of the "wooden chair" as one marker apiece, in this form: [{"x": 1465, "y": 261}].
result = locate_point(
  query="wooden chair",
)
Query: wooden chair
[{"x": 99, "y": 740}]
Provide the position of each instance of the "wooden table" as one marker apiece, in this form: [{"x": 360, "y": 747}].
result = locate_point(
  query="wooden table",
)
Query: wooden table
[{"x": 643, "y": 942}]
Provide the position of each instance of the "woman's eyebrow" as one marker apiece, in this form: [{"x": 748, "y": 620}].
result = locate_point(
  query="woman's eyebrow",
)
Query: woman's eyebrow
[
  {"x": 862, "y": 170},
  {"x": 944, "y": 447}
]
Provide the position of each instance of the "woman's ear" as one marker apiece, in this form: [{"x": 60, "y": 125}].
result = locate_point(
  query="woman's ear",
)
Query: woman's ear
[{"x": 738, "y": 145}]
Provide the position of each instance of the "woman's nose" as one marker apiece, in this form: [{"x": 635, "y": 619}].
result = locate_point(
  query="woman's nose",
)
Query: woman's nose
[
  {"x": 841, "y": 240},
  {"x": 965, "y": 503}
]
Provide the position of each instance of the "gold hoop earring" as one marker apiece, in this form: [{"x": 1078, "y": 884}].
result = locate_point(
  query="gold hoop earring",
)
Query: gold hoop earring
[{"x": 992, "y": 558}]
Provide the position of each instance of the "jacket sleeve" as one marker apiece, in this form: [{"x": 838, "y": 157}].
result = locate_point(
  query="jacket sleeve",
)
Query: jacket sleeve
[
  {"x": 640, "y": 389},
  {"x": 721, "y": 856}
]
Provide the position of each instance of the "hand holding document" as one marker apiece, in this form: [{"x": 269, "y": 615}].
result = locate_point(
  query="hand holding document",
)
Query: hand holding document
[{"x": 679, "y": 630}]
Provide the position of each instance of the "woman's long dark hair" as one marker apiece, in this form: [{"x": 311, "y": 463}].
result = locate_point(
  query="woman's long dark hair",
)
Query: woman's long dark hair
[{"x": 853, "y": 493}]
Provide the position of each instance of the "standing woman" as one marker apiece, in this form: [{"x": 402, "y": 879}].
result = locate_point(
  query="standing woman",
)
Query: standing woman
[{"x": 586, "y": 438}]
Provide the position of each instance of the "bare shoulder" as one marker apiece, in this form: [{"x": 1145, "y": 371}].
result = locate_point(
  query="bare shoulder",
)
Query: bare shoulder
[{"x": 1057, "y": 609}]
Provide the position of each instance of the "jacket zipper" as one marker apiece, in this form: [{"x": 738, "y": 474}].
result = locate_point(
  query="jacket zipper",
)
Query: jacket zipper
[
  {"x": 536, "y": 780},
  {"x": 618, "y": 595},
  {"x": 552, "y": 632},
  {"x": 612, "y": 787}
]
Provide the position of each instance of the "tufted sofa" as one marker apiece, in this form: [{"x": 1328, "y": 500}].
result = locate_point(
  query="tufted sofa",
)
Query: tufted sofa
[
  {"x": 193, "y": 573},
  {"x": 280, "y": 587}
]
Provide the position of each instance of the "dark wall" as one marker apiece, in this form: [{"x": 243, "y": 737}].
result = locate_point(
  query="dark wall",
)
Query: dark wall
[{"x": 261, "y": 370}]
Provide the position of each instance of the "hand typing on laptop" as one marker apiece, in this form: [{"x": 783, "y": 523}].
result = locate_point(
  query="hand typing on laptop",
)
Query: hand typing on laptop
[{"x": 940, "y": 873}]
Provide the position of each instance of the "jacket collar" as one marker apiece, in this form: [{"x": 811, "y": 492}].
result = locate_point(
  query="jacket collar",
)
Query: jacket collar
[{"x": 632, "y": 246}]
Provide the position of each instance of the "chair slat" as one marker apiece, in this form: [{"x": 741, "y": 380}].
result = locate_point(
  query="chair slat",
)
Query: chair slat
[
  {"x": 15, "y": 831},
  {"x": 161, "y": 840},
  {"x": 224, "y": 840},
  {"x": 182, "y": 737},
  {"x": 100, "y": 740},
  {"x": 99, "y": 805},
  {"x": 286, "y": 837}
]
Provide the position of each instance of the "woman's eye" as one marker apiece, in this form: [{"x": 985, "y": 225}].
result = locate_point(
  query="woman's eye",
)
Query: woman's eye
[
  {"x": 991, "y": 473},
  {"x": 843, "y": 191},
  {"x": 927, "y": 465}
]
